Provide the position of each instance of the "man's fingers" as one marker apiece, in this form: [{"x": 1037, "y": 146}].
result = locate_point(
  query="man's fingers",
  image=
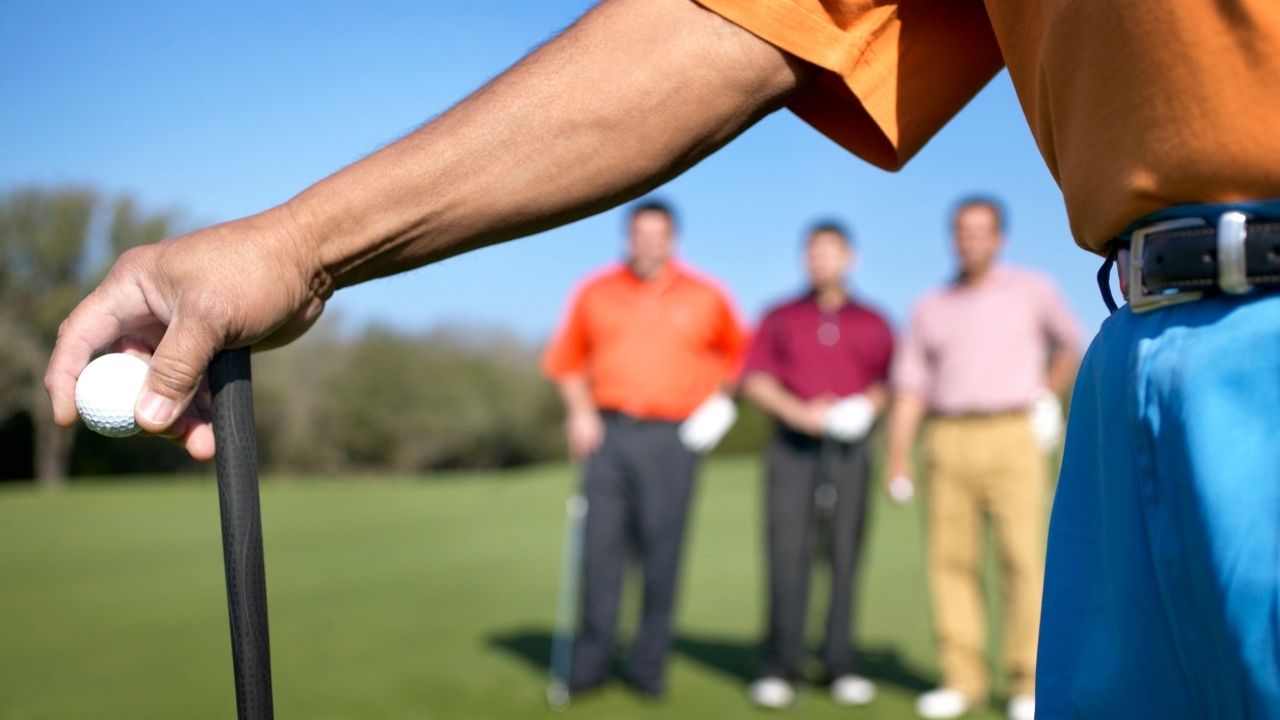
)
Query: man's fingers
[
  {"x": 197, "y": 439},
  {"x": 93, "y": 325},
  {"x": 178, "y": 364},
  {"x": 193, "y": 429}
]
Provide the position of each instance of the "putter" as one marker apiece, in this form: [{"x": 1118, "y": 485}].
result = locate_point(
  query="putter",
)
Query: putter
[
  {"x": 575, "y": 515},
  {"x": 237, "y": 465}
]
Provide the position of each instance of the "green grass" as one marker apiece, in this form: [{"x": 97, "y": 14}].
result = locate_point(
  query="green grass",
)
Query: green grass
[{"x": 395, "y": 598}]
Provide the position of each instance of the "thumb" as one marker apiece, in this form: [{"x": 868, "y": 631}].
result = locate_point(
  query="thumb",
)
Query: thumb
[{"x": 178, "y": 364}]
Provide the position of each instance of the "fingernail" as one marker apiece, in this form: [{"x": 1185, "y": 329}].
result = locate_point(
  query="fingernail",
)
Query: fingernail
[{"x": 157, "y": 409}]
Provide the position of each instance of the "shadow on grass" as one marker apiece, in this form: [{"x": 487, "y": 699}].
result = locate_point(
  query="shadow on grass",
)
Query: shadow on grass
[
  {"x": 733, "y": 658},
  {"x": 531, "y": 646}
]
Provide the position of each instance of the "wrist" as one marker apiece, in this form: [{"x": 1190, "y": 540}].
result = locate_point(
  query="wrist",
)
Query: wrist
[
  {"x": 334, "y": 247},
  {"x": 792, "y": 416},
  {"x": 895, "y": 467},
  {"x": 299, "y": 246},
  {"x": 583, "y": 411}
]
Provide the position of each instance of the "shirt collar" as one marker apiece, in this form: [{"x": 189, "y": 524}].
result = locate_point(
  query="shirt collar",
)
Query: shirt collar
[
  {"x": 811, "y": 297},
  {"x": 994, "y": 276},
  {"x": 667, "y": 275}
]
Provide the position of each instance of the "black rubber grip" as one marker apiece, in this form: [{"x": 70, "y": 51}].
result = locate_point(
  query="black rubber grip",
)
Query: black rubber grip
[{"x": 237, "y": 464}]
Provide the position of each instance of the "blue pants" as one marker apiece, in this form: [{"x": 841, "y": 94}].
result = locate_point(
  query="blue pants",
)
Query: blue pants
[{"x": 1162, "y": 590}]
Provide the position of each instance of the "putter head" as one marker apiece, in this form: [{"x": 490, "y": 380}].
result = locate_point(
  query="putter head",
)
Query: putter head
[{"x": 558, "y": 696}]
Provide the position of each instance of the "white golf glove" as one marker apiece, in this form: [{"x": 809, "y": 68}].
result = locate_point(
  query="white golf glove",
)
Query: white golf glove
[
  {"x": 901, "y": 489},
  {"x": 850, "y": 419},
  {"x": 1046, "y": 420},
  {"x": 702, "y": 430}
]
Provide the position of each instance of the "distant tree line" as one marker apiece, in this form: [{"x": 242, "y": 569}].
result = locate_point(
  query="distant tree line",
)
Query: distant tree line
[
  {"x": 377, "y": 400},
  {"x": 386, "y": 400}
]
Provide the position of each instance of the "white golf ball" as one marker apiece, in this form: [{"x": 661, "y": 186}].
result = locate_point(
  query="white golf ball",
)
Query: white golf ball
[{"x": 107, "y": 391}]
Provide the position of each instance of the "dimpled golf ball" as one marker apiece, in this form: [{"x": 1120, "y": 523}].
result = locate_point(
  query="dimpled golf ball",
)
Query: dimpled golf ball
[{"x": 107, "y": 391}]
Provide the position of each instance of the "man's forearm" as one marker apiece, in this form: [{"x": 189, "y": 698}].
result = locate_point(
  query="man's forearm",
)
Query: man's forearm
[
  {"x": 630, "y": 96},
  {"x": 904, "y": 423},
  {"x": 765, "y": 390},
  {"x": 575, "y": 392},
  {"x": 878, "y": 394},
  {"x": 1062, "y": 370}
]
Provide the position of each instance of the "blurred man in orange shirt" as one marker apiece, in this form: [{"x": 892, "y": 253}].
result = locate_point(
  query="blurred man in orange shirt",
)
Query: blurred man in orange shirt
[{"x": 641, "y": 360}]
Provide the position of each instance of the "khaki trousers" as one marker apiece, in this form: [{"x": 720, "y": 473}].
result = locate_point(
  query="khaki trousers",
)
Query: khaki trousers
[{"x": 980, "y": 468}]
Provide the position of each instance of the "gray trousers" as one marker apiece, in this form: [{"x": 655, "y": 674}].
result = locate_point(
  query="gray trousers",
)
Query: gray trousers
[
  {"x": 638, "y": 486},
  {"x": 811, "y": 479}
]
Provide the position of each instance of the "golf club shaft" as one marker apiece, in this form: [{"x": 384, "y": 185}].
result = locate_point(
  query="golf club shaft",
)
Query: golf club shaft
[
  {"x": 567, "y": 600},
  {"x": 237, "y": 465}
]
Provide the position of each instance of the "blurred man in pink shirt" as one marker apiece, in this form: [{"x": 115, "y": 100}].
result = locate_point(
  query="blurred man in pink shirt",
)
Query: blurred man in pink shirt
[{"x": 985, "y": 359}]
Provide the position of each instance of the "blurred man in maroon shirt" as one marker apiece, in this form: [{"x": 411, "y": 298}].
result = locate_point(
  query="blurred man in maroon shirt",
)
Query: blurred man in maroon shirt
[{"x": 818, "y": 365}]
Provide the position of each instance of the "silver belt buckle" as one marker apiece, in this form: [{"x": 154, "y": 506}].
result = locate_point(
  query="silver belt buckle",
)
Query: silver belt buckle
[{"x": 1232, "y": 276}]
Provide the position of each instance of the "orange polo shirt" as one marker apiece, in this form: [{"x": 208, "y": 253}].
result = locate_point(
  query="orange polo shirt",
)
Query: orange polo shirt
[
  {"x": 1135, "y": 105},
  {"x": 651, "y": 349}
]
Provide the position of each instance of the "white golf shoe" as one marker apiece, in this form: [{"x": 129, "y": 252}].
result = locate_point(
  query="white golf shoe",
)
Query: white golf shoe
[
  {"x": 852, "y": 690},
  {"x": 772, "y": 692},
  {"x": 942, "y": 704},
  {"x": 1022, "y": 707}
]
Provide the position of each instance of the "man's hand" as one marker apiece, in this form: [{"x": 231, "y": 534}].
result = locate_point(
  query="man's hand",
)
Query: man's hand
[
  {"x": 850, "y": 419},
  {"x": 904, "y": 423},
  {"x": 1046, "y": 420},
  {"x": 704, "y": 429},
  {"x": 584, "y": 431},
  {"x": 899, "y": 480},
  {"x": 177, "y": 302}
]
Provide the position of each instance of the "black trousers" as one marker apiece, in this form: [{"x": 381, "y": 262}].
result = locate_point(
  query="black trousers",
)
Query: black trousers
[
  {"x": 812, "y": 479},
  {"x": 638, "y": 486}
]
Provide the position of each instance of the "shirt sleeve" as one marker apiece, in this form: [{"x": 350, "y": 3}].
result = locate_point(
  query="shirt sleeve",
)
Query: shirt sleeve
[
  {"x": 891, "y": 74},
  {"x": 567, "y": 353},
  {"x": 1059, "y": 324},
  {"x": 911, "y": 372}
]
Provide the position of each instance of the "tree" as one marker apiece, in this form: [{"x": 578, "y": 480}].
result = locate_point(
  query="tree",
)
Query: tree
[
  {"x": 405, "y": 402},
  {"x": 51, "y": 257}
]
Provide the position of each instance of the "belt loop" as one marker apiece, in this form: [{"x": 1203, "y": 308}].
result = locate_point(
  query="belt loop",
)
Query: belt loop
[{"x": 1104, "y": 277}]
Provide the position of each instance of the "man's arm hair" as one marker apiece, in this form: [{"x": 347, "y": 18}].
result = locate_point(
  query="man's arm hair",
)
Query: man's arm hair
[{"x": 628, "y": 97}]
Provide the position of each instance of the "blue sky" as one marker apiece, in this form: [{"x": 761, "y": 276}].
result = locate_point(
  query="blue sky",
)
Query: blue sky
[{"x": 223, "y": 109}]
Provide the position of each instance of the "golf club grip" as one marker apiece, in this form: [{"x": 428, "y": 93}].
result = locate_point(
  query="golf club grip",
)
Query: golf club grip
[{"x": 237, "y": 465}]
